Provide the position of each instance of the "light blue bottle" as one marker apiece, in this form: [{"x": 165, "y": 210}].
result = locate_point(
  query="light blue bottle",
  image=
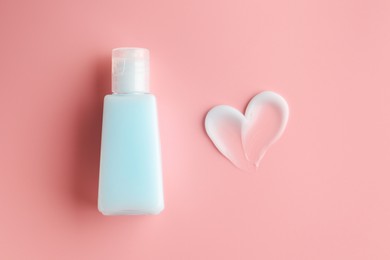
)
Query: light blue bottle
[{"x": 130, "y": 165}]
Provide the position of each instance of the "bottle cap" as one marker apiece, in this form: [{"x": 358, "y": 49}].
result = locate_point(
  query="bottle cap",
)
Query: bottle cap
[{"x": 130, "y": 70}]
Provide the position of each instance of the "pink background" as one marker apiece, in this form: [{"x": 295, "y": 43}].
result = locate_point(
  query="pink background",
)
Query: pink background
[{"x": 323, "y": 189}]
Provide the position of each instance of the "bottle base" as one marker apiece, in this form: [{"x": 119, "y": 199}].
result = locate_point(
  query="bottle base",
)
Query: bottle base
[{"x": 130, "y": 212}]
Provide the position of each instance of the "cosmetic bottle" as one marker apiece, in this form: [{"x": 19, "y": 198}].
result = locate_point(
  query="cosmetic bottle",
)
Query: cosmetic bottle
[{"x": 130, "y": 180}]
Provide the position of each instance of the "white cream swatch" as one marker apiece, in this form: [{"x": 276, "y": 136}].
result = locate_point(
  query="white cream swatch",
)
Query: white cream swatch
[{"x": 244, "y": 139}]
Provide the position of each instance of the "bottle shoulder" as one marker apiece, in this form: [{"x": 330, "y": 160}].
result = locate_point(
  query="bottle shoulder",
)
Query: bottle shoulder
[
  {"x": 132, "y": 96},
  {"x": 130, "y": 100}
]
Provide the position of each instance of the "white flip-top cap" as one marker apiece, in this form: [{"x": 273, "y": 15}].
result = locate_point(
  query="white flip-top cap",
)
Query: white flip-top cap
[{"x": 130, "y": 70}]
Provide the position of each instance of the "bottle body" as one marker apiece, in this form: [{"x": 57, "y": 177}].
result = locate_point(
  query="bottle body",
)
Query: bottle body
[{"x": 130, "y": 179}]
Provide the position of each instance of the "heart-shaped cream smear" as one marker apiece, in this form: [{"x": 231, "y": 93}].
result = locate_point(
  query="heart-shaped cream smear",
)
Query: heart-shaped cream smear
[{"x": 244, "y": 139}]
